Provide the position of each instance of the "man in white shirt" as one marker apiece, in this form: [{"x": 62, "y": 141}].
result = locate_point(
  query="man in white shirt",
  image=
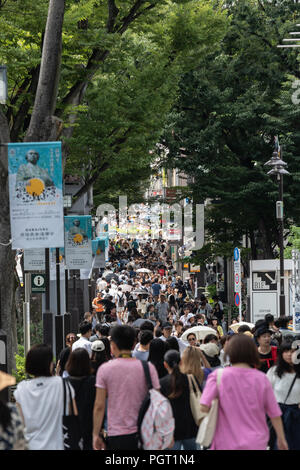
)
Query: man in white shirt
[
  {"x": 85, "y": 329},
  {"x": 101, "y": 284}
]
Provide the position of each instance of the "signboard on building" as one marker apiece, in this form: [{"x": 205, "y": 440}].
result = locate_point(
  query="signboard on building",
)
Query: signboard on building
[
  {"x": 194, "y": 268},
  {"x": 38, "y": 283},
  {"x": 264, "y": 288},
  {"x": 34, "y": 259},
  {"x": 35, "y": 194},
  {"x": 264, "y": 281},
  {"x": 264, "y": 303}
]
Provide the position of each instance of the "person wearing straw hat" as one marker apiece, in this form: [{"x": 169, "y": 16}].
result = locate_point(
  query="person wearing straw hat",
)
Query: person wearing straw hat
[{"x": 11, "y": 424}]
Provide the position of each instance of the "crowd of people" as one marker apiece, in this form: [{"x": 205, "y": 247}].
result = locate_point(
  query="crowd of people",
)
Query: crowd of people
[{"x": 143, "y": 311}]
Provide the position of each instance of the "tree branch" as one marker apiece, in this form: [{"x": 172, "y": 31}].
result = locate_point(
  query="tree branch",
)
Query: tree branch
[
  {"x": 88, "y": 184},
  {"x": 127, "y": 20}
]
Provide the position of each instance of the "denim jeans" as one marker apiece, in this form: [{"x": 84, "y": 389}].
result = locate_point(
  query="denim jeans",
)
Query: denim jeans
[{"x": 186, "y": 444}]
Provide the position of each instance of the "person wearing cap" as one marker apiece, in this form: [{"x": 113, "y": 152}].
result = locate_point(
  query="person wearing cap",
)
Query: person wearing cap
[
  {"x": 267, "y": 353},
  {"x": 185, "y": 318},
  {"x": 99, "y": 355},
  {"x": 166, "y": 331},
  {"x": 11, "y": 425}
]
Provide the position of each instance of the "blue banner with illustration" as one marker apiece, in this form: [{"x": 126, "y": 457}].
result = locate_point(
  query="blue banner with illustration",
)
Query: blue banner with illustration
[
  {"x": 36, "y": 194},
  {"x": 99, "y": 252},
  {"x": 78, "y": 242}
]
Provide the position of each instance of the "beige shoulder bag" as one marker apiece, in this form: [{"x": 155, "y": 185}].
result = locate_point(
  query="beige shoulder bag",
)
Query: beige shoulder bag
[{"x": 208, "y": 424}]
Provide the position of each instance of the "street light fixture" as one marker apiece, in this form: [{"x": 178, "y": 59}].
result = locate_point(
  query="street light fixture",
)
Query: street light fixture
[{"x": 277, "y": 168}]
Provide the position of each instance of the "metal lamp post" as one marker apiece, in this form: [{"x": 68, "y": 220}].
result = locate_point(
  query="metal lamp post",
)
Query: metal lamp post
[{"x": 277, "y": 168}]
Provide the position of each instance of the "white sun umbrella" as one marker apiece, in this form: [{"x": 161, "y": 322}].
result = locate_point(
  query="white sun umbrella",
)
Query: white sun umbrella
[
  {"x": 235, "y": 326},
  {"x": 143, "y": 270},
  {"x": 105, "y": 273},
  {"x": 199, "y": 331}
]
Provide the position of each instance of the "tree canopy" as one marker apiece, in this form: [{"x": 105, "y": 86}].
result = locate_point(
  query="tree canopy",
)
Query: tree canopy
[{"x": 221, "y": 130}]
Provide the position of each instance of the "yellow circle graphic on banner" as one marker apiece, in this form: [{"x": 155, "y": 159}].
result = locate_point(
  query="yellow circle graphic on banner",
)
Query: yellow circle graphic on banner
[
  {"x": 78, "y": 238},
  {"x": 35, "y": 187}
]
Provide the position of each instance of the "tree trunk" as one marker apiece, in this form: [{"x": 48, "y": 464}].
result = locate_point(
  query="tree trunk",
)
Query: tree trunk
[
  {"x": 43, "y": 125},
  {"x": 266, "y": 246},
  {"x": 7, "y": 255}
]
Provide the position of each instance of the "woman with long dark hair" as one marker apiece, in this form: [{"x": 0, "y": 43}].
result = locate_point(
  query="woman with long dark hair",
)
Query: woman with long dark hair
[
  {"x": 175, "y": 386},
  {"x": 81, "y": 378},
  {"x": 157, "y": 350},
  {"x": 285, "y": 380}
]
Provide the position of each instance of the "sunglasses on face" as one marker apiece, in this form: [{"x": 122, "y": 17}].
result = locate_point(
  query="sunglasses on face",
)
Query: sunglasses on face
[
  {"x": 191, "y": 339},
  {"x": 71, "y": 338}
]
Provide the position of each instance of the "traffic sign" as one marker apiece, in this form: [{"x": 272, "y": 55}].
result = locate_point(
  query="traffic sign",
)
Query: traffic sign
[
  {"x": 237, "y": 299},
  {"x": 237, "y": 279},
  {"x": 38, "y": 283},
  {"x": 236, "y": 254}
]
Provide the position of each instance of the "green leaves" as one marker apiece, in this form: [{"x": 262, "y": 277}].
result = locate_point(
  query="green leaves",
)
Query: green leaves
[{"x": 230, "y": 107}]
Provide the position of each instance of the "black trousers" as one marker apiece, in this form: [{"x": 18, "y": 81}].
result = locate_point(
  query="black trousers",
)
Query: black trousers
[{"x": 125, "y": 442}]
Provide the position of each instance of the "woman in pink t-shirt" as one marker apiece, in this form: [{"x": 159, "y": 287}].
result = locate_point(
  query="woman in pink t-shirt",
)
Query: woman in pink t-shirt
[{"x": 245, "y": 398}]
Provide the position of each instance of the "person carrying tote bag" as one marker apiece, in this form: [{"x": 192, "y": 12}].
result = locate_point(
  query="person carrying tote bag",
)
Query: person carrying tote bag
[
  {"x": 207, "y": 426},
  {"x": 244, "y": 425},
  {"x": 195, "y": 396}
]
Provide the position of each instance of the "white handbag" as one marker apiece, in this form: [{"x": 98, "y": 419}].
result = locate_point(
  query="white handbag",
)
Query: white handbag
[
  {"x": 207, "y": 427},
  {"x": 195, "y": 395}
]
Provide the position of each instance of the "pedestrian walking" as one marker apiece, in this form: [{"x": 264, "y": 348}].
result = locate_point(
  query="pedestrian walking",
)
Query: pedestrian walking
[
  {"x": 41, "y": 401},
  {"x": 85, "y": 329},
  {"x": 175, "y": 386},
  {"x": 157, "y": 351},
  {"x": 122, "y": 382},
  {"x": 243, "y": 426},
  {"x": 267, "y": 352},
  {"x": 285, "y": 381},
  {"x": 81, "y": 378},
  {"x": 64, "y": 355},
  {"x": 99, "y": 354}
]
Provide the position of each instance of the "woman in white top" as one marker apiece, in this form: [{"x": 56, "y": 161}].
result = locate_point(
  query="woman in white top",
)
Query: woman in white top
[
  {"x": 41, "y": 401},
  {"x": 285, "y": 380}
]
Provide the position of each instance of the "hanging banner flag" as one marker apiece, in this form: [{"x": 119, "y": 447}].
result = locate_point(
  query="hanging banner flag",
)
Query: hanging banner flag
[
  {"x": 35, "y": 194},
  {"x": 98, "y": 248},
  {"x": 78, "y": 241}
]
